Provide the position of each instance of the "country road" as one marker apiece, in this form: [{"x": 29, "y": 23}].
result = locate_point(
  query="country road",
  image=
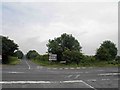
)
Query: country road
[{"x": 29, "y": 75}]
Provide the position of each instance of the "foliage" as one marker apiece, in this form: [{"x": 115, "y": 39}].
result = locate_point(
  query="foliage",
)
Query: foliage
[
  {"x": 19, "y": 54},
  {"x": 117, "y": 58},
  {"x": 32, "y": 54},
  {"x": 60, "y": 44},
  {"x": 44, "y": 57},
  {"x": 88, "y": 59},
  {"x": 13, "y": 60},
  {"x": 72, "y": 56},
  {"x": 107, "y": 51},
  {"x": 8, "y": 48}
]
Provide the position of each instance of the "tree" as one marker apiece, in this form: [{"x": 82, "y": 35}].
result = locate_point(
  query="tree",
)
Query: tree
[
  {"x": 117, "y": 58},
  {"x": 8, "y": 48},
  {"x": 32, "y": 54},
  {"x": 107, "y": 51},
  {"x": 60, "y": 44},
  {"x": 19, "y": 54},
  {"x": 72, "y": 56}
]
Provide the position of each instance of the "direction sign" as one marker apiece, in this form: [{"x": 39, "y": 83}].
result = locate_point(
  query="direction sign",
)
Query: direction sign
[{"x": 52, "y": 57}]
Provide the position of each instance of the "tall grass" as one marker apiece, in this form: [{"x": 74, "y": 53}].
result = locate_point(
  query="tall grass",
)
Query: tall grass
[{"x": 13, "y": 60}]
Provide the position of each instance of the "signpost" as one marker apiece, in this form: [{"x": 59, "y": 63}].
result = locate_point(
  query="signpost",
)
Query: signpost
[{"x": 52, "y": 57}]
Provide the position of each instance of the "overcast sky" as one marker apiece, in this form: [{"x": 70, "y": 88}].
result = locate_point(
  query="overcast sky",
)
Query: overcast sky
[{"x": 32, "y": 24}]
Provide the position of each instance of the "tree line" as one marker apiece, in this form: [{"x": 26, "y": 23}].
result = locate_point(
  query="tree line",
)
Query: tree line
[
  {"x": 66, "y": 47},
  {"x": 69, "y": 49}
]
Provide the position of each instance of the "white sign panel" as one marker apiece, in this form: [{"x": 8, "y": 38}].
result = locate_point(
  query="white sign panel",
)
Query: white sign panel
[{"x": 52, "y": 57}]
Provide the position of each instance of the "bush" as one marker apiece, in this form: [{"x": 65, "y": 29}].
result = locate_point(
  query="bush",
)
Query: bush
[
  {"x": 113, "y": 62},
  {"x": 32, "y": 54},
  {"x": 19, "y": 54},
  {"x": 72, "y": 56},
  {"x": 117, "y": 58},
  {"x": 44, "y": 57},
  {"x": 107, "y": 51},
  {"x": 88, "y": 60}
]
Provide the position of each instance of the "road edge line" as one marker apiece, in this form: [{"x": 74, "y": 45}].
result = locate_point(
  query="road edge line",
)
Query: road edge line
[{"x": 27, "y": 64}]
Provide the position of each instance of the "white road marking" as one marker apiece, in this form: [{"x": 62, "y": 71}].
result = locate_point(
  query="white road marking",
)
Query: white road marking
[
  {"x": 107, "y": 74},
  {"x": 27, "y": 64},
  {"x": 105, "y": 79},
  {"x": 23, "y": 82},
  {"x": 54, "y": 68},
  {"x": 60, "y": 68},
  {"x": 100, "y": 70},
  {"x": 78, "y": 72},
  {"x": 83, "y": 67},
  {"x": 66, "y": 68},
  {"x": 71, "y": 68},
  {"x": 74, "y": 81},
  {"x": 117, "y": 79},
  {"x": 78, "y": 68},
  {"x": 15, "y": 72},
  {"x": 90, "y": 67},
  {"x": 77, "y": 76},
  {"x": 89, "y": 85},
  {"x": 45, "y": 82},
  {"x": 39, "y": 67},
  {"x": 48, "y": 68},
  {"x": 70, "y": 76},
  {"x": 38, "y": 82},
  {"x": 92, "y": 80}
]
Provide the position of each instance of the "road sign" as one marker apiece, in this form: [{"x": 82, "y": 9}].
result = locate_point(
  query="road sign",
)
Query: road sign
[{"x": 52, "y": 57}]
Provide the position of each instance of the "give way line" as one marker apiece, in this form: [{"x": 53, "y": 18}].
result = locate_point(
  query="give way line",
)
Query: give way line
[{"x": 46, "y": 82}]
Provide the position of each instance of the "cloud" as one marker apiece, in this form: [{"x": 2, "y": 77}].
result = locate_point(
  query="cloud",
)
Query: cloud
[
  {"x": 31, "y": 25},
  {"x": 34, "y": 44}
]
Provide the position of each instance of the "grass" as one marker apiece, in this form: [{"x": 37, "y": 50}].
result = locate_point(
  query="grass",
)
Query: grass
[
  {"x": 13, "y": 60},
  {"x": 85, "y": 64}
]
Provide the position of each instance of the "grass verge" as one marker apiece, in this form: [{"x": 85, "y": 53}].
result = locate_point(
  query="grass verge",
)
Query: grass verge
[
  {"x": 13, "y": 60},
  {"x": 91, "y": 64}
]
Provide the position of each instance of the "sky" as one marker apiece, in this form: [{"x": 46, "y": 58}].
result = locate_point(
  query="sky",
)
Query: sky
[{"x": 32, "y": 24}]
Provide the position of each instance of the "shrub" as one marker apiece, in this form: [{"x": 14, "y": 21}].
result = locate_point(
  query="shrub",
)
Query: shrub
[
  {"x": 72, "y": 56},
  {"x": 107, "y": 51},
  {"x": 117, "y": 58}
]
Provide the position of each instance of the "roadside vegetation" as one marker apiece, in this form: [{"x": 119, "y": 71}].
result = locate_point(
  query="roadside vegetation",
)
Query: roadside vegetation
[
  {"x": 68, "y": 49},
  {"x": 10, "y": 53},
  {"x": 88, "y": 61},
  {"x": 18, "y": 54},
  {"x": 13, "y": 60}
]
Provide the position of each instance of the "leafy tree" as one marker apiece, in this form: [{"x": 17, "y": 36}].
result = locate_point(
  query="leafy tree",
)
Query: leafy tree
[
  {"x": 60, "y": 44},
  {"x": 8, "y": 48},
  {"x": 107, "y": 51},
  {"x": 32, "y": 54},
  {"x": 117, "y": 58},
  {"x": 19, "y": 54},
  {"x": 72, "y": 56}
]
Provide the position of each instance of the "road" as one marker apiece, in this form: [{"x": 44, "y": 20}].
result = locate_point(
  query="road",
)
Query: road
[{"x": 30, "y": 75}]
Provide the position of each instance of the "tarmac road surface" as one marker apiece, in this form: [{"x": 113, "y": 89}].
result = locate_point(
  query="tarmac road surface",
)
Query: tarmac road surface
[{"x": 29, "y": 75}]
